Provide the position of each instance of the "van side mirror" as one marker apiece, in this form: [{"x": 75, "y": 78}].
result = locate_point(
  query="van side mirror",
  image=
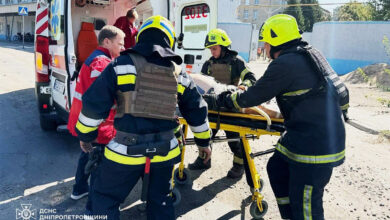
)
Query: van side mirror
[{"x": 180, "y": 41}]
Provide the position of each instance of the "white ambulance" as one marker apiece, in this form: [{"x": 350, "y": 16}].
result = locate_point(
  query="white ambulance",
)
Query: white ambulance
[{"x": 66, "y": 33}]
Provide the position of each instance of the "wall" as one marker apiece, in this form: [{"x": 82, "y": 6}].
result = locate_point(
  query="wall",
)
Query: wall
[
  {"x": 349, "y": 45},
  {"x": 29, "y": 25}
]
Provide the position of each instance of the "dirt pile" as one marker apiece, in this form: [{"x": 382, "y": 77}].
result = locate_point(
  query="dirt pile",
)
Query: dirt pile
[{"x": 375, "y": 74}]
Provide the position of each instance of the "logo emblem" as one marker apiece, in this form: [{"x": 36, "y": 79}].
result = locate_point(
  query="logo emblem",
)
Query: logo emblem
[{"x": 26, "y": 213}]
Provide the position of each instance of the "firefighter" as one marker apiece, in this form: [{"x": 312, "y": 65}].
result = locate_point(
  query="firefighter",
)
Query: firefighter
[
  {"x": 110, "y": 45},
  {"x": 228, "y": 68},
  {"x": 311, "y": 98},
  {"x": 147, "y": 84}
]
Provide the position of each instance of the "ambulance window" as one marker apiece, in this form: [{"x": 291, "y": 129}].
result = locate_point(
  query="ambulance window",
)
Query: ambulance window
[
  {"x": 195, "y": 21},
  {"x": 56, "y": 21}
]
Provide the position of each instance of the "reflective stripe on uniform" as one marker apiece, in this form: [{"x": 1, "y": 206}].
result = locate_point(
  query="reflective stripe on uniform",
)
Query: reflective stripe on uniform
[
  {"x": 320, "y": 159},
  {"x": 243, "y": 73},
  {"x": 202, "y": 135},
  {"x": 95, "y": 73},
  {"x": 126, "y": 79},
  {"x": 283, "y": 201},
  {"x": 125, "y": 69},
  {"x": 345, "y": 107},
  {"x": 234, "y": 99},
  {"x": 180, "y": 89},
  {"x": 296, "y": 93},
  {"x": 77, "y": 95},
  {"x": 238, "y": 160},
  {"x": 118, "y": 153},
  {"x": 84, "y": 129},
  {"x": 201, "y": 128},
  {"x": 307, "y": 192},
  {"x": 90, "y": 122},
  {"x": 247, "y": 83}
]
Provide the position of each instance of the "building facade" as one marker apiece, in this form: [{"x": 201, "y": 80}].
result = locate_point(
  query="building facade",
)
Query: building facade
[
  {"x": 11, "y": 23},
  {"x": 257, "y": 11}
]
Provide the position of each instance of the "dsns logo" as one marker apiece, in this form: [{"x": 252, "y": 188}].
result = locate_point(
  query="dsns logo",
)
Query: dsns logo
[{"x": 26, "y": 213}]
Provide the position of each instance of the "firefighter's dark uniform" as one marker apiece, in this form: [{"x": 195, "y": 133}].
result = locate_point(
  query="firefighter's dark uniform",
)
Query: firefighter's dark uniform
[
  {"x": 311, "y": 98},
  {"x": 230, "y": 69},
  {"x": 136, "y": 125},
  {"x": 314, "y": 140}
]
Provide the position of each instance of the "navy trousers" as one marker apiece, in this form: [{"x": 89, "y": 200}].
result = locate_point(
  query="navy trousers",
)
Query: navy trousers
[
  {"x": 298, "y": 189},
  {"x": 114, "y": 181}
]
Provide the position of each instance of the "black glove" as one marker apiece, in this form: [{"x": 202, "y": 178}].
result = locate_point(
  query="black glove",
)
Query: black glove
[
  {"x": 211, "y": 100},
  {"x": 345, "y": 115},
  {"x": 225, "y": 100}
]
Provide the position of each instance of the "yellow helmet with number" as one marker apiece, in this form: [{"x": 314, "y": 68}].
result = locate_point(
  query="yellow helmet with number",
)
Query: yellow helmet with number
[
  {"x": 279, "y": 29},
  {"x": 161, "y": 23},
  {"x": 217, "y": 37}
]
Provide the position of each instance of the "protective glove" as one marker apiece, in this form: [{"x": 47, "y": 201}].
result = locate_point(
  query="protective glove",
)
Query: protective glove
[
  {"x": 345, "y": 115},
  {"x": 225, "y": 100},
  {"x": 211, "y": 100}
]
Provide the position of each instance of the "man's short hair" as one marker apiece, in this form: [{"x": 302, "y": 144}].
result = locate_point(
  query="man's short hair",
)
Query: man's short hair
[
  {"x": 109, "y": 32},
  {"x": 132, "y": 13}
]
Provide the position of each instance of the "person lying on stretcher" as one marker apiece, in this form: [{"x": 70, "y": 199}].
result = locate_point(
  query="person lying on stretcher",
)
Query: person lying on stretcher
[{"x": 207, "y": 86}]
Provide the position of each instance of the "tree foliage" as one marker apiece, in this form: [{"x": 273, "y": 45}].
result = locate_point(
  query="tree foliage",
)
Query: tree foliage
[
  {"x": 382, "y": 10},
  {"x": 296, "y": 12},
  {"x": 355, "y": 11}
]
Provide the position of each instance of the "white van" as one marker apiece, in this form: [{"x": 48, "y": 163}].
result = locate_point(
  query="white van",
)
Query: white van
[{"x": 66, "y": 33}]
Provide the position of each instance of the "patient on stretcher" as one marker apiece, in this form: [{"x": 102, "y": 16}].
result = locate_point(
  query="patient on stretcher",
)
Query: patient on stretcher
[{"x": 208, "y": 85}]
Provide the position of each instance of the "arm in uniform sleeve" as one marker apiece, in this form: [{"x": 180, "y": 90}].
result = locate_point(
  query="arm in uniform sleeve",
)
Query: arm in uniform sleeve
[
  {"x": 194, "y": 110},
  {"x": 272, "y": 83},
  {"x": 205, "y": 68},
  {"x": 97, "y": 103},
  {"x": 247, "y": 77}
]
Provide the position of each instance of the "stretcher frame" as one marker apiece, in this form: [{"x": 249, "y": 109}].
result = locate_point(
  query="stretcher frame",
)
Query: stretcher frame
[{"x": 246, "y": 133}]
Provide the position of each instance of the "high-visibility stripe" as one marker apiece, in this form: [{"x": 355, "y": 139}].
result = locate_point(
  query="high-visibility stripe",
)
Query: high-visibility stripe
[
  {"x": 201, "y": 128},
  {"x": 203, "y": 135},
  {"x": 344, "y": 107},
  {"x": 95, "y": 73},
  {"x": 283, "y": 201},
  {"x": 247, "y": 83},
  {"x": 180, "y": 89},
  {"x": 238, "y": 160},
  {"x": 77, "y": 95},
  {"x": 243, "y": 73},
  {"x": 296, "y": 93},
  {"x": 127, "y": 160},
  {"x": 90, "y": 122},
  {"x": 307, "y": 192},
  {"x": 234, "y": 99},
  {"x": 126, "y": 79},
  {"x": 125, "y": 69},
  {"x": 320, "y": 159},
  {"x": 84, "y": 129}
]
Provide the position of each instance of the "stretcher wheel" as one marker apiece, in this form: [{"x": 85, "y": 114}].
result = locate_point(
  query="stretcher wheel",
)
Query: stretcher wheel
[
  {"x": 176, "y": 197},
  {"x": 255, "y": 212},
  {"x": 186, "y": 177}
]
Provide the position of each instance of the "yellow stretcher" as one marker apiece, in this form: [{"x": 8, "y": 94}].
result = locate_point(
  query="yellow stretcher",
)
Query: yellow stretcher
[{"x": 248, "y": 126}]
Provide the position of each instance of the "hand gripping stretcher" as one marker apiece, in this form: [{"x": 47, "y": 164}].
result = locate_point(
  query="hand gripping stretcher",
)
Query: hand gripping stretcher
[{"x": 249, "y": 127}]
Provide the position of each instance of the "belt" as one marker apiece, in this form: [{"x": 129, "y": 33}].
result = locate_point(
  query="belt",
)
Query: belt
[{"x": 129, "y": 139}]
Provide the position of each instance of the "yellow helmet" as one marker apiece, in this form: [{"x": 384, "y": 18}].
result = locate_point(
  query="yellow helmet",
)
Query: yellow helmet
[
  {"x": 161, "y": 23},
  {"x": 279, "y": 29},
  {"x": 217, "y": 37}
]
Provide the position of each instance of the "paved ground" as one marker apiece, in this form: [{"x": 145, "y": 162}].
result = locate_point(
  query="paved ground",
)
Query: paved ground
[{"x": 37, "y": 167}]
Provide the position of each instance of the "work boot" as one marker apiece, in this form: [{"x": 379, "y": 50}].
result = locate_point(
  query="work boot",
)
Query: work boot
[
  {"x": 236, "y": 171},
  {"x": 199, "y": 165}
]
